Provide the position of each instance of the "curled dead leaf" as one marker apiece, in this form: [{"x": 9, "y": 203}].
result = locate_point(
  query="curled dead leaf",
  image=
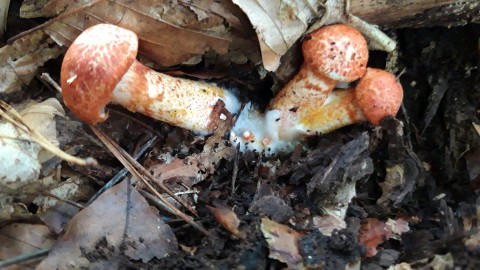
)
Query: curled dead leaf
[{"x": 227, "y": 218}]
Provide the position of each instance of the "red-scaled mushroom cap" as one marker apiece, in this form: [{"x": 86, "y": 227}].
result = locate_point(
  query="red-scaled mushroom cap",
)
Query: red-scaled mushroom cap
[
  {"x": 338, "y": 51},
  {"x": 92, "y": 67},
  {"x": 378, "y": 94}
]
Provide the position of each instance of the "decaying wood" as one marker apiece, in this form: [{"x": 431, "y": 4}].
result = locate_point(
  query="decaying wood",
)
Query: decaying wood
[{"x": 416, "y": 13}]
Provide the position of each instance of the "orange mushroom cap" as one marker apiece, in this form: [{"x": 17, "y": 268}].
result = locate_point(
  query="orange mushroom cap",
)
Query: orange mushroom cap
[
  {"x": 339, "y": 51},
  {"x": 92, "y": 67},
  {"x": 378, "y": 94}
]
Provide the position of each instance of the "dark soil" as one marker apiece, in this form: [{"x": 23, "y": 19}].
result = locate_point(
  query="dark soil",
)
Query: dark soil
[
  {"x": 437, "y": 146},
  {"x": 433, "y": 140}
]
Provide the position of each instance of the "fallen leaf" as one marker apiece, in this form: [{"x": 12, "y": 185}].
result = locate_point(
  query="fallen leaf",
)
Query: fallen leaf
[
  {"x": 19, "y": 156},
  {"x": 398, "y": 226},
  {"x": 373, "y": 233},
  {"x": 58, "y": 216},
  {"x": 282, "y": 243},
  {"x": 120, "y": 222},
  {"x": 267, "y": 201},
  {"x": 3, "y": 16},
  {"x": 400, "y": 266},
  {"x": 21, "y": 238},
  {"x": 273, "y": 206},
  {"x": 227, "y": 218},
  {"x": 333, "y": 185},
  {"x": 170, "y": 33},
  {"x": 194, "y": 168},
  {"x": 326, "y": 224},
  {"x": 279, "y": 24},
  {"x": 442, "y": 262},
  {"x": 19, "y": 62}
]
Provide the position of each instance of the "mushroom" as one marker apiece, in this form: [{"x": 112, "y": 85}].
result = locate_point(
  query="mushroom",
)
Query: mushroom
[
  {"x": 335, "y": 53},
  {"x": 377, "y": 95},
  {"x": 100, "y": 67}
]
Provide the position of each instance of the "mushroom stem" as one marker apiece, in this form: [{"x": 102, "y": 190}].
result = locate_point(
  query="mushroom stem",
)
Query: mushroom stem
[
  {"x": 305, "y": 86},
  {"x": 339, "y": 110},
  {"x": 377, "y": 95},
  {"x": 189, "y": 104}
]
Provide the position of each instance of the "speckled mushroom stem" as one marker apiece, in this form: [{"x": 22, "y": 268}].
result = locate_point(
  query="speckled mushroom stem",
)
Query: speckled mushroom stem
[
  {"x": 339, "y": 110},
  {"x": 180, "y": 102},
  {"x": 377, "y": 95},
  {"x": 305, "y": 87}
]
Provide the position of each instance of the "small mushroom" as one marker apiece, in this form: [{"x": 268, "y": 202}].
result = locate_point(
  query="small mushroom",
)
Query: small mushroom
[
  {"x": 334, "y": 53},
  {"x": 377, "y": 95},
  {"x": 100, "y": 67}
]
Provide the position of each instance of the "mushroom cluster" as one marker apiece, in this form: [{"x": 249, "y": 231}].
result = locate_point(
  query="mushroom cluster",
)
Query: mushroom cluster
[
  {"x": 308, "y": 106},
  {"x": 92, "y": 76}
]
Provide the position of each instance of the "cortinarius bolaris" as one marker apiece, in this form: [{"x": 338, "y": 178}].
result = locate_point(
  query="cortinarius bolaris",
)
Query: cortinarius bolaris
[
  {"x": 335, "y": 53},
  {"x": 100, "y": 68}
]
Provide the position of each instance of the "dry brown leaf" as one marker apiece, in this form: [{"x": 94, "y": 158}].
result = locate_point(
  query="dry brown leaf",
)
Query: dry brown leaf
[
  {"x": 326, "y": 224},
  {"x": 20, "y": 238},
  {"x": 33, "y": 9},
  {"x": 227, "y": 218},
  {"x": 120, "y": 222},
  {"x": 170, "y": 32},
  {"x": 373, "y": 233},
  {"x": 282, "y": 243},
  {"x": 57, "y": 217},
  {"x": 194, "y": 168},
  {"x": 20, "y": 61},
  {"x": 279, "y": 24},
  {"x": 394, "y": 180},
  {"x": 3, "y": 15}
]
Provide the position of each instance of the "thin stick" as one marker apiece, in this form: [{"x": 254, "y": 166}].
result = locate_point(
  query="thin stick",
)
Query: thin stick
[
  {"x": 56, "y": 19},
  {"x": 48, "y": 194},
  {"x": 24, "y": 257},
  {"x": 145, "y": 172},
  {"x": 121, "y": 173},
  {"x": 129, "y": 162},
  {"x": 20, "y": 124}
]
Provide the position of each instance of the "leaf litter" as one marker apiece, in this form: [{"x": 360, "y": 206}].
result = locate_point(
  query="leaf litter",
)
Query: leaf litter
[
  {"x": 352, "y": 195},
  {"x": 139, "y": 234}
]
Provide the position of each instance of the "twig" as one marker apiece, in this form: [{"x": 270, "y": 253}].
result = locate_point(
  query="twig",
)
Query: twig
[
  {"x": 138, "y": 167},
  {"x": 121, "y": 173},
  {"x": 56, "y": 19},
  {"x": 17, "y": 120},
  {"x": 48, "y": 194},
  {"x": 156, "y": 201},
  {"x": 235, "y": 168},
  {"x": 338, "y": 11},
  {"x": 47, "y": 78},
  {"x": 24, "y": 257},
  {"x": 135, "y": 168}
]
